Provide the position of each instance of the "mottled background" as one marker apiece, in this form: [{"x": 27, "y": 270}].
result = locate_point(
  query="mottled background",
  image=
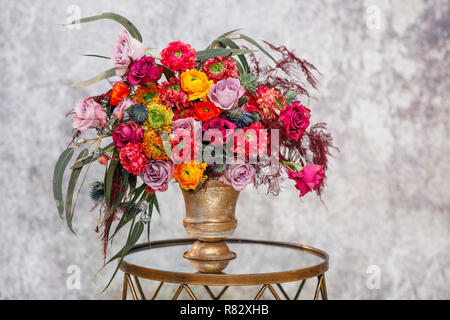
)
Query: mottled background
[{"x": 384, "y": 93}]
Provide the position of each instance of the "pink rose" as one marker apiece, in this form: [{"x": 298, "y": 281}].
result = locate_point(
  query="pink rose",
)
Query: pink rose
[
  {"x": 88, "y": 114},
  {"x": 224, "y": 127},
  {"x": 143, "y": 71},
  {"x": 309, "y": 179},
  {"x": 295, "y": 119},
  {"x": 126, "y": 50},
  {"x": 121, "y": 107},
  {"x": 225, "y": 94},
  {"x": 127, "y": 133},
  {"x": 239, "y": 176}
]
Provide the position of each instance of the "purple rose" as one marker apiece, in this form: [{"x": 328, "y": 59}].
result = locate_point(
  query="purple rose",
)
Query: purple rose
[
  {"x": 158, "y": 174},
  {"x": 144, "y": 71},
  {"x": 238, "y": 176},
  {"x": 226, "y": 93},
  {"x": 88, "y": 114},
  {"x": 224, "y": 127},
  {"x": 127, "y": 133},
  {"x": 126, "y": 50}
]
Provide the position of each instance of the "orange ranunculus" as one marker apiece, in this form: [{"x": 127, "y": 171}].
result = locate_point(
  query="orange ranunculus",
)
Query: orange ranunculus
[
  {"x": 195, "y": 84},
  {"x": 189, "y": 175},
  {"x": 205, "y": 111},
  {"x": 119, "y": 92}
]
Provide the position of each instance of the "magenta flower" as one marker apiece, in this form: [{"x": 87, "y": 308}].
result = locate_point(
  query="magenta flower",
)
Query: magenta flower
[
  {"x": 127, "y": 133},
  {"x": 239, "y": 176},
  {"x": 144, "y": 71},
  {"x": 224, "y": 127},
  {"x": 126, "y": 50},
  {"x": 225, "y": 94},
  {"x": 88, "y": 114},
  {"x": 157, "y": 174},
  {"x": 309, "y": 179},
  {"x": 295, "y": 119}
]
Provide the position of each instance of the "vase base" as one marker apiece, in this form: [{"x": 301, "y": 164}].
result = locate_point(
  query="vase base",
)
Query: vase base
[{"x": 209, "y": 257}]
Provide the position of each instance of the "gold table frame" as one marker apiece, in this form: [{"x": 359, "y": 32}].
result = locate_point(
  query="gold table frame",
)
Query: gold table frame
[{"x": 266, "y": 280}]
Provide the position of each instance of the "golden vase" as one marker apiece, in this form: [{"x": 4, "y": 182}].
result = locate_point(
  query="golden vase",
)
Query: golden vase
[{"x": 210, "y": 218}]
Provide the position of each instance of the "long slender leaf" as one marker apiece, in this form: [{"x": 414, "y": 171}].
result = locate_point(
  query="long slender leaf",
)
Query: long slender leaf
[
  {"x": 124, "y": 188},
  {"x": 230, "y": 43},
  {"x": 256, "y": 44},
  {"x": 109, "y": 179},
  {"x": 58, "y": 173},
  {"x": 96, "y": 56},
  {"x": 134, "y": 32},
  {"x": 223, "y": 52},
  {"x": 155, "y": 202},
  {"x": 86, "y": 160},
  {"x": 101, "y": 76},
  {"x": 226, "y": 34},
  {"x": 134, "y": 235},
  {"x": 70, "y": 189}
]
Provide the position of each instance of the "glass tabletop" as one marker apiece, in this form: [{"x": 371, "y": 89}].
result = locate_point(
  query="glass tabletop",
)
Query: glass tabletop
[{"x": 252, "y": 258}]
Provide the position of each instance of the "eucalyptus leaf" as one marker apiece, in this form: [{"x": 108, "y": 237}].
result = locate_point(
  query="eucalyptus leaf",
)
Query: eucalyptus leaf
[
  {"x": 109, "y": 179},
  {"x": 101, "y": 76},
  {"x": 86, "y": 160},
  {"x": 230, "y": 43},
  {"x": 133, "y": 236},
  {"x": 96, "y": 56},
  {"x": 134, "y": 32},
  {"x": 70, "y": 190},
  {"x": 222, "y": 52},
  {"x": 256, "y": 44},
  {"x": 58, "y": 174}
]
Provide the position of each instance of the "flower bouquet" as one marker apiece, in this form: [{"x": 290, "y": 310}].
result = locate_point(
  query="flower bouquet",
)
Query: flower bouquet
[{"x": 214, "y": 117}]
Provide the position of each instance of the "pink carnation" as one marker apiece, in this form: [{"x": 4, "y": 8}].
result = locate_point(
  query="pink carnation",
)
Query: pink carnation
[
  {"x": 88, "y": 114},
  {"x": 178, "y": 56},
  {"x": 133, "y": 159},
  {"x": 172, "y": 96}
]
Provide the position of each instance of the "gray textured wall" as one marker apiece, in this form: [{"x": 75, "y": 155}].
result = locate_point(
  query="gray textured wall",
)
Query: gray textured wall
[{"x": 384, "y": 93}]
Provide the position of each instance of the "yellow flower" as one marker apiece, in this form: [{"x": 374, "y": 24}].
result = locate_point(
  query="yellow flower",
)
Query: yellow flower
[
  {"x": 189, "y": 175},
  {"x": 195, "y": 84}
]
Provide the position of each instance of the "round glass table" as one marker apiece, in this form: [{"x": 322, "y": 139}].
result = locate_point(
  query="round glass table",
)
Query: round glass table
[{"x": 267, "y": 264}]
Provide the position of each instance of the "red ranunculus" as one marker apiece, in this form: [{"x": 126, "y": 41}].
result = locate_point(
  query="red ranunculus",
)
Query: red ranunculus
[
  {"x": 119, "y": 92},
  {"x": 178, "y": 56},
  {"x": 295, "y": 120},
  {"x": 205, "y": 111},
  {"x": 309, "y": 179}
]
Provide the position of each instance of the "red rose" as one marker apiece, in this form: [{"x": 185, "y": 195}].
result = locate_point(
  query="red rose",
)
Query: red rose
[
  {"x": 127, "y": 133},
  {"x": 309, "y": 179},
  {"x": 119, "y": 92},
  {"x": 144, "y": 71},
  {"x": 295, "y": 120}
]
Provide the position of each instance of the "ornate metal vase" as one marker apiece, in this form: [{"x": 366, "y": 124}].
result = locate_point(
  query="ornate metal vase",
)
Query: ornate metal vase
[{"x": 210, "y": 218}]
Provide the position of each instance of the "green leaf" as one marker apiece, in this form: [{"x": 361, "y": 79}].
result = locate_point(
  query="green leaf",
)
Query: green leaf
[
  {"x": 133, "y": 236},
  {"x": 167, "y": 72},
  {"x": 226, "y": 34},
  {"x": 109, "y": 179},
  {"x": 134, "y": 32},
  {"x": 70, "y": 189},
  {"x": 230, "y": 43},
  {"x": 101, "y": 76},
  {"x": 156, "y": 204},
  {"x": 86, "y": 160},
  {"x": 223, "y": 52},
  {"x": 256, "y": 44},
  {"x": 96, "y": 56},
  {"x": 58, "y": 173},
  {"x": 124, "y": 188}
]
